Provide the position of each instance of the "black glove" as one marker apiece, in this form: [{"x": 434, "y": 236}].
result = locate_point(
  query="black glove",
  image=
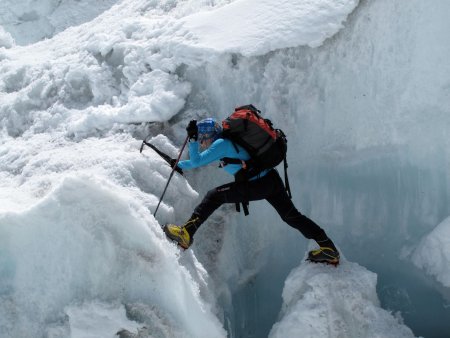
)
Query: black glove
[
  {"x": 177, "y": 168},
  {"x": 192, "y": 130}
]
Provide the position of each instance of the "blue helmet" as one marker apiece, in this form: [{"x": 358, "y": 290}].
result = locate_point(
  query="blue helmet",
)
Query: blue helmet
[{"x": 209, "y": 129}]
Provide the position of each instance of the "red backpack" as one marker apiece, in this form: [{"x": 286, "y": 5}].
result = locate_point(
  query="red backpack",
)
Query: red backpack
[{"x": 266, "y": 146}]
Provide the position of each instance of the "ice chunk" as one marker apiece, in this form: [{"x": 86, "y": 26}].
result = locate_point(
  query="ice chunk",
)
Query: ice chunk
[
  {"x": 324, "y": 301},
  {"x": 433, "y": 253}
]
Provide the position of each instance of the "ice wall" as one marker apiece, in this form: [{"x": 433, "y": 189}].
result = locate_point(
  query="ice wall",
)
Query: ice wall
[
  {"x": 367, "y": 114},
  {"x": 367, "y": 110}
]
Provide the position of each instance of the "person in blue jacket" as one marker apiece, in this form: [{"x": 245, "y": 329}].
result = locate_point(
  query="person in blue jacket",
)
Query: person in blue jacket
[{"x": 206, "y": 136}]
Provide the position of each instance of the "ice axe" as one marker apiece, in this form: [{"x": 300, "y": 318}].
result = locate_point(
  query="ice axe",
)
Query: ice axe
[{"x": 169, "y": 160}]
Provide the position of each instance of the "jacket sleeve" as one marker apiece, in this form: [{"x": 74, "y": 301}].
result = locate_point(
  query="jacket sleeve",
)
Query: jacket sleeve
[{"x": 215, "y": 152}]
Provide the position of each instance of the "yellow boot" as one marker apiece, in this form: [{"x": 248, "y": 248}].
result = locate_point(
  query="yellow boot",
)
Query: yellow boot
[
  {"x": 178, "y": 234},
  {"x": 324, "y": 255},
  {"x": 183, "y": 234}
]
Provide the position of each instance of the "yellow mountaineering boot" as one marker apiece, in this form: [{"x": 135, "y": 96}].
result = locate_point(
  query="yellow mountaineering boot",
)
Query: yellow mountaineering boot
[
  {"x": 324, "y": 255},
  {"x": 183, "y": 234},
  {"x": 178, "y": 234}
]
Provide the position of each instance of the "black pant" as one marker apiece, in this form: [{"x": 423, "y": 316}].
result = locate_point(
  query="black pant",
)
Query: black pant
[{"x": 269, "y": 187}]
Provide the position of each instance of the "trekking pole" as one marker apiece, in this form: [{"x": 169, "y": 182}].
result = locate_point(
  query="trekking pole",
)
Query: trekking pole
[{"x": 171, "y": 174}]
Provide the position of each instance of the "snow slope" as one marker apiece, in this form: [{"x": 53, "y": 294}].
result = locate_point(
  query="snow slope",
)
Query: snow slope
[{"x": 87, "y": 240}]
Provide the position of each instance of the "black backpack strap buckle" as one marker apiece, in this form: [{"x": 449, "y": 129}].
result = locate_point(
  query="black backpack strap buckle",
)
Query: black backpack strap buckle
[{"x": 228, "y": 160}]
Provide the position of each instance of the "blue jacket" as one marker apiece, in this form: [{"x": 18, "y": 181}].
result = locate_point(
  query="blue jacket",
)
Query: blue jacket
[{"x": 220, "y": 148}]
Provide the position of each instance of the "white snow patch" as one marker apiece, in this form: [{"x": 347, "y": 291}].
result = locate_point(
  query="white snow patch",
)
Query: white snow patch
[
  {"x": 155, "y": 97},
  {"x": 256, "y": 27},
  {"x": 32, "y": 167},
  {"x": 6, "y": 40},
  {"x": 433, "y": 253},
  {"x": 95, "y": 319},
  {"x": 326, "y": 301}
]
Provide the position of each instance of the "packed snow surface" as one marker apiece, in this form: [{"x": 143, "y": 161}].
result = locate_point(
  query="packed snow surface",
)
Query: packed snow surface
[{"x": 252, "y": 27}]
